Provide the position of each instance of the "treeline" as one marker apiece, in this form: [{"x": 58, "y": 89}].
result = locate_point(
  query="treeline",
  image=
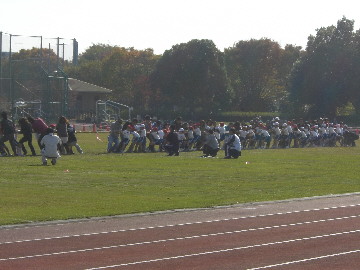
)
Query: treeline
[{"x": 195, "y": 78}]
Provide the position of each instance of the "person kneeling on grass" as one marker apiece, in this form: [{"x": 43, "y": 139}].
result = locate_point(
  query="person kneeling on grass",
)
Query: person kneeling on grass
[
  {"x": 211, "y": 145},
  {"x": 172, "y": 142},
  {"x": 233, "y": 145},
  {"x": 50, "y": 144}
]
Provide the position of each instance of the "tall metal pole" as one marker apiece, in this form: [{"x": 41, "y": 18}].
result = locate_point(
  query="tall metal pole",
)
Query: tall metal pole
[
  {"x": 1, "y": 56},
  {"x": 11, "y": 77},
  {"x": 75, "y": 52},
  {"x": 57, "y": 52},
  {"x": 41, "y": 51},
  {"x": 63, "y": 54},
  {"x": 11, "y": 83},
  {"x": 48, "y": 96}
]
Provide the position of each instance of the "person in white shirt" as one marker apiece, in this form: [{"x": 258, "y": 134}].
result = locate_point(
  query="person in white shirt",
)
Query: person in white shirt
[
  {"x": 233, "y": 145},
  {"x": 191, "y": 138},
  {"x": 222, "y": 131},
  {"x": 155, "y": 139},
  {"x": 277, "y": 133},
  {"x": 303, "y": 137},
  {"x": 266, "y": 138},
  {"x": 314, "y": 136},
  {"x": 136, "y": 140},
  {"x": 284, "y": 137},
  {"x": 243, "y": 132},
  {"x": 182, "y": 139},
  {"x": 50, "y": 144},
  {"x": 332, "y": 136},
  {"x": 142, "y": 143},
  {"x": 125, "y": 138},
  {"x": 211, "y": 145},
  {"x": 291, "y": 132},
  {"x": 323, "y": 135}
]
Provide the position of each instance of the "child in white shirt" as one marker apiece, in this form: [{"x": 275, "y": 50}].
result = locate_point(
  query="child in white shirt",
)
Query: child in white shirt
[{"x": 50, "y": 144}]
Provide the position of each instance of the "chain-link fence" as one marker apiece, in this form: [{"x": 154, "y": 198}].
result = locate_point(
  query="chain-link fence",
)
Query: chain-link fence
[{"x": 32, "y": 77}]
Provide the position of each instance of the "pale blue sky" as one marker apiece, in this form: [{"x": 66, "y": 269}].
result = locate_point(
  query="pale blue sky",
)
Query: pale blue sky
[{"x": 160, "y": 24}]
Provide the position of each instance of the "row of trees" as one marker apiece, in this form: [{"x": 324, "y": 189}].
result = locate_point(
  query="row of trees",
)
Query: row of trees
[
  {"x": 195, "y": 78},
  {"x": 192, "y": 78}
]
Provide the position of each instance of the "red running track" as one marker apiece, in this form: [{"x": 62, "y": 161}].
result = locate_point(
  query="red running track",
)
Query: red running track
[{"x": 312, "y": 233}]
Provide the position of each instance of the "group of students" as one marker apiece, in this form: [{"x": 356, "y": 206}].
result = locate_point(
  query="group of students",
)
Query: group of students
[
  {"x": 297, "y": 134},
  {"x": 173, "y": 137},
  {"x": 50, "y": 144},
  {"x": 210, "y": 136},
  {"x": 207, "y": 136}
]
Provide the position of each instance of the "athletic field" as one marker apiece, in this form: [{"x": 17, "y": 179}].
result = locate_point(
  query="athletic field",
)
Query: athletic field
[{"x": 101, "y": 184}]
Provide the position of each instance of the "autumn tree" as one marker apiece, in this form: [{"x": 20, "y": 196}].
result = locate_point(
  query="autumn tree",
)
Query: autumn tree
[
  {"x": 123, "y": 70},
  {"x": 126, "y": 71},
  {"x": 89, "y": 68}
]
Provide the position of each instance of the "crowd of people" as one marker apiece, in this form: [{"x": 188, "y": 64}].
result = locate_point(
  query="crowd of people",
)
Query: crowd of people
[
  {"x": 175, "y": 136},
  {"x": 136, "y": 136},
  {"x": 210, "y": 136},
  {"x": 53, "y": 140}
]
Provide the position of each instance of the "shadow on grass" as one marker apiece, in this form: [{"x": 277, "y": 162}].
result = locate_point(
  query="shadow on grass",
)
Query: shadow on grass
[{"x": 37, "y": 165}]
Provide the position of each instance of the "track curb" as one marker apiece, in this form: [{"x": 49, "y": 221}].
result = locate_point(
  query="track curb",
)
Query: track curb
[{"x": 173, "y": 211}]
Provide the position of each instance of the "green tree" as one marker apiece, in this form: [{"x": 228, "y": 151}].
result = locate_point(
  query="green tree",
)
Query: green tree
[
  {"x": 191, "y": 79},
  {"x": 321, "y": 81},
  {"x": 258, "y": 71},
  {"x": 354, "y": 87}
]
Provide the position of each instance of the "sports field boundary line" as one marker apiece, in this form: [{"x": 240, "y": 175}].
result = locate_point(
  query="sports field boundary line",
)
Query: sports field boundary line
[{"x": 173, "y": 211}]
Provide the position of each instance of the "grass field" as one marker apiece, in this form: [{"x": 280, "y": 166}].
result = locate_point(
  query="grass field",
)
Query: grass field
[{"x": 100, "y": 184}]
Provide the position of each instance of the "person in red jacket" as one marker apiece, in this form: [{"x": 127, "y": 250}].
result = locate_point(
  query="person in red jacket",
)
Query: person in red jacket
[{"x": 39, "y": 127}]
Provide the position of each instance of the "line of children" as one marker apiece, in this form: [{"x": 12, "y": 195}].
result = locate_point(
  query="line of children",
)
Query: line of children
[
  {"x": 65, "y": 131},
  {"x": 290, "y": 134}
]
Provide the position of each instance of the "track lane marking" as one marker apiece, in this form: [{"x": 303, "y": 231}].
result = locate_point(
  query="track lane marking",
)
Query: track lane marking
[
  {"x": 306, "y": 260},
  {"x": 178, "y": 239},
  {"x": 174, "y": 225},
  {"x": 224, "y": 250},
  {"x": 87, "y": 221}
]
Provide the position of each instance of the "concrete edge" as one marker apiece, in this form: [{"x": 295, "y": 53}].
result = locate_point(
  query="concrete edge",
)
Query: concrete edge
[{"x": 173, "y": 211}]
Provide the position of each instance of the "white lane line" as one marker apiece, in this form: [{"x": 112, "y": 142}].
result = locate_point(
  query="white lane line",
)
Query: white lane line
[
  {"x": 223, "y": 250},
  {"x": 173, "y": 225},
  {"x": 174, "y": 239},
  {"x": 80, "y": 222},
  {"x": 306, "y": 260}
]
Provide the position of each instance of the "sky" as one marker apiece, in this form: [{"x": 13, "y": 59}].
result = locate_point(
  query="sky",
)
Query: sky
[{"x": 160, "y": 24}]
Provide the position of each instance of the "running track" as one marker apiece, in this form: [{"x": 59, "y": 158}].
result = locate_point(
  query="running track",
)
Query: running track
[{"x": 311, "y": 233}]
